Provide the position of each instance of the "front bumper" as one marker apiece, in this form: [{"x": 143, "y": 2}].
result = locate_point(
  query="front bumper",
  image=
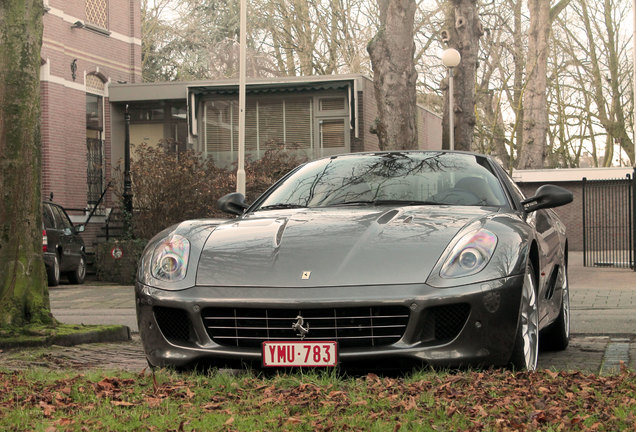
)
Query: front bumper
[{"x": 484, "y": 337}]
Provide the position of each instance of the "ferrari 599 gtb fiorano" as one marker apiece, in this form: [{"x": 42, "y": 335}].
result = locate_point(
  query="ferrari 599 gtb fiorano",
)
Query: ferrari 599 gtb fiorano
[{"x": 433, "y": 257}]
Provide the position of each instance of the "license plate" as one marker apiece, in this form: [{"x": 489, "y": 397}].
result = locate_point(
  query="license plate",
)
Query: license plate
[{"x": 300, "y": 354}]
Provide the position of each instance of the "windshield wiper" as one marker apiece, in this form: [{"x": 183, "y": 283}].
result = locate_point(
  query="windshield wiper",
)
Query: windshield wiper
[
  {"x": 281, "y": 206},
  {"x": 387, "y": 202}
]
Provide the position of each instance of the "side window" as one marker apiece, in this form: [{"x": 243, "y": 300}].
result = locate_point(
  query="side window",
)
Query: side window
[
  {"x": 515, "y": 192},
  {"x": 47, "y": 217},
  {"x": 61, "y": 219}
]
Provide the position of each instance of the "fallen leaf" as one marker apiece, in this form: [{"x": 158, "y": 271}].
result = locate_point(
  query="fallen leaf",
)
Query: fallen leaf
[
  {"x": 294, "y": 420},
  {"x": 152, "y": 401},
  {"x": 121, "y": 403},
  {"x": 47, "y": 409}
]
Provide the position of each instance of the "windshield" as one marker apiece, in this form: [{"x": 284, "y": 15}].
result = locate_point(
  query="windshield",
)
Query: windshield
[{"x": 390, "y": 178}]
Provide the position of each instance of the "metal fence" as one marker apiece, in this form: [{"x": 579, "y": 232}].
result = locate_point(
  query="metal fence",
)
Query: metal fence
[{"x": 609, "y": 218}]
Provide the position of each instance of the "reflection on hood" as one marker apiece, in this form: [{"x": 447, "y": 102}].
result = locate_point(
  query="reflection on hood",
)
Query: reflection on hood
[{"x": 332, "y": 247}]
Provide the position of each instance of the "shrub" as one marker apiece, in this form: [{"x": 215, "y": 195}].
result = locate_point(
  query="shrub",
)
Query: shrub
[
  {"x": 277, "y": 161},
  {"x": 169, "y": 187}
]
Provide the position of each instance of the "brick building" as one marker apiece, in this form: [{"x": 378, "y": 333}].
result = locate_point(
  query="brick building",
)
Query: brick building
[{"x": 87, "y": 45}]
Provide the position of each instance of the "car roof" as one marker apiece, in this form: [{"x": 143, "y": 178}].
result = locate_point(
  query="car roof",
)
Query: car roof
[{"x": 388, "y": 152}]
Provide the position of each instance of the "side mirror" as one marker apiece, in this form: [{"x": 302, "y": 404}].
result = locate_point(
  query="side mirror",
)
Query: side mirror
[
  {"x": 233, "y": 203},
  {"x": 547, "y": 196},
  {"x": 80, "y": 228}
]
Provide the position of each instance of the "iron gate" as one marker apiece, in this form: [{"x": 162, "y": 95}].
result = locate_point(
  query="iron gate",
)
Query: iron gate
[
  {"x": 94, "y": 169},
  {"x": 609, "y": 218}
]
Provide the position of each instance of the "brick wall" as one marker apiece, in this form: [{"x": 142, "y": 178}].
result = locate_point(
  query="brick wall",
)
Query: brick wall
[
  {"x": 115, "y": 56},
  {"x": 571, "y": 214}
]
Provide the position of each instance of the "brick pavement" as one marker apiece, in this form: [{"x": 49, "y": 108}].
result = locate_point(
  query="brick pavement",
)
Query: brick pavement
[{"x": 590, "y": 354}]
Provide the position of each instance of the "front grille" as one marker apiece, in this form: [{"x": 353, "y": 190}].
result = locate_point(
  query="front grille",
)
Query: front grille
[
  {"x": 350, "y": 327},
  {"x": 443, "y": 323},
  {"x": 173, "y": 323}
]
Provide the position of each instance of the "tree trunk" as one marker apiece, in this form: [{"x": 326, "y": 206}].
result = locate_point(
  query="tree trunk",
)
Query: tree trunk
[
  {"x": 535, "y": 122},
  {"x": 23, "y": 288},
  {"x": 517, "y": 99},
  {"x": 391, "y": 51},
  {"x": 535, "y": 101},
  {"x": 464, "y": 30}
]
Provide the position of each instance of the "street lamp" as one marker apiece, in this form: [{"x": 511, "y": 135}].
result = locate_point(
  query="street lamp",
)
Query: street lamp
[
  {"x": 240, "y": 172},
  {"x": 127, "y": 195},
  {"x": 451, "y": 59}
]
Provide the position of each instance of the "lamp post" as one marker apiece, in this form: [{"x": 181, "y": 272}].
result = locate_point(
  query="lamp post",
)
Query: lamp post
[
  {"x": 451, "y": 59},
  {"x": 240, "y": 173},
  {"x": 127, "y": 195}
]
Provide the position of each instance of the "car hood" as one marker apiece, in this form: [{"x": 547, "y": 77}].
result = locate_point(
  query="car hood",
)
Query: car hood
[{"x": 332, "y": 247}]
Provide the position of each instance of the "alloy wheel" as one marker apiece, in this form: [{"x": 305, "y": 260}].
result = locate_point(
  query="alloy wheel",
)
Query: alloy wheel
[{"x": 529, "y": 325}]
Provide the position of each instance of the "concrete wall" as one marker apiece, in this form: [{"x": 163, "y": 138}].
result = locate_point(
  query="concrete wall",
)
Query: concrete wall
[{"x": 429, "y": 124}]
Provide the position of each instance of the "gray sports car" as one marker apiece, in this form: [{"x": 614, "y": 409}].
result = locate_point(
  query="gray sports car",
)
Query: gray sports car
[{"x": 380, "y": 259}]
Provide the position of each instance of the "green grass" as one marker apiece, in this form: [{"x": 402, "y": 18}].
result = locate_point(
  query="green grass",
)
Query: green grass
[
  {"x": 39, "y": 334},
  {"x": 38, "y": 399}
]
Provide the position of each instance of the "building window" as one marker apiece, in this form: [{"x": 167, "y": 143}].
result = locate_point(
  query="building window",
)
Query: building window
[
  {"x": 94, "y": 137},
  {"x": 97, "y": 13},
  {"x": 332, "y": 133},
  {"x": 94, "y": 112},
  {"x": 312, "y": 126},
  {"x": 159, "y": 123},
  {"x": 270, "y": 122}
]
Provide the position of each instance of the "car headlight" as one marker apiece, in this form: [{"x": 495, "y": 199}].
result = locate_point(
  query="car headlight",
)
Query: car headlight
[
  {"x": 170, "y": 258},
  {"x": 470, "y": 255}
]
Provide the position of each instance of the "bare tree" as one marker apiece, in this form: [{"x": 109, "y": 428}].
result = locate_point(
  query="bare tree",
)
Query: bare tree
[
  {"x": 392, "y": 50},
  {"x": 609, "y": 82},
  {"x": 462, "y": 31},
  {"x": 307, "y": 37},
  {"x": 23, "y": 289},
  {"x": 535, "y": 122}
]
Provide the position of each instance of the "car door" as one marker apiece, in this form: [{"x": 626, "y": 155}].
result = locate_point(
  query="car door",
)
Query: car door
[{"x": 547, "y": 239}]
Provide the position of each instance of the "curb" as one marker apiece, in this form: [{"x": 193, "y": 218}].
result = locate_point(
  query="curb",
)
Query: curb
[{"x": 118, "y": 333}]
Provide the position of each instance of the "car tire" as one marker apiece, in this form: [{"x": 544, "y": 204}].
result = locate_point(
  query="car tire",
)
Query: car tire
[
  {"x": 557, "y": 336},
  {"x": 78, "y": 275},
  {"x": 53, "y": 272},
  {"x": 525, "y": 353}
]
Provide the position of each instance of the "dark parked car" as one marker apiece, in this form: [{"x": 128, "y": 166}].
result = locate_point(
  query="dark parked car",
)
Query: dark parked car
[
  {"x": 433, "y": 257},
  {"x": 64, "y": 251}
]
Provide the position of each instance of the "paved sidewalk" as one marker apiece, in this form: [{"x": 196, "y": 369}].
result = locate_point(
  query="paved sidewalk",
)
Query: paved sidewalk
[
  {"x": 94, "y": 303},
  {"x": 603, "y": 300},
  {"x": 603, "y": 316}
]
